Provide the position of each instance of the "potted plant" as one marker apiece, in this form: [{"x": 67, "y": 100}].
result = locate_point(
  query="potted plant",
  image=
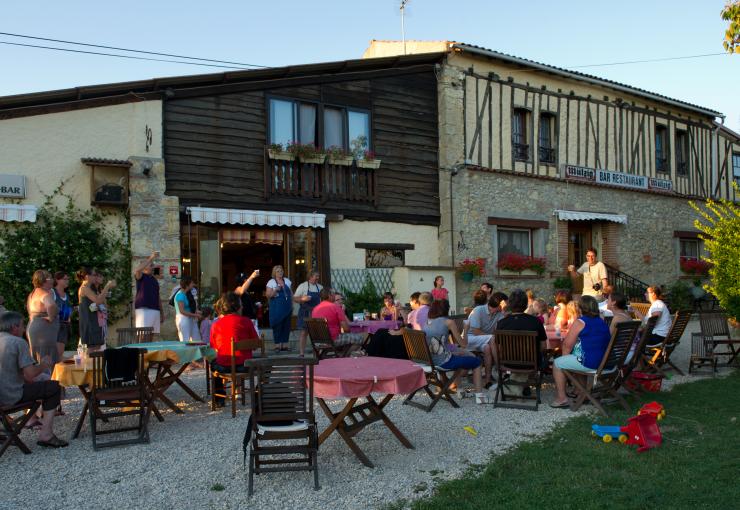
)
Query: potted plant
[
  {"x": 521, "y": 264},
  {"x": 338, "y": 156},
  {"x": 368, "y": 160},
  {"x": 563, "y": 283},
  {"x": 276, "y": 151},
  {"x": 307, "y": 152},
  {"x": 469, "y": 268},
  {"x": 698, "y": 269}
]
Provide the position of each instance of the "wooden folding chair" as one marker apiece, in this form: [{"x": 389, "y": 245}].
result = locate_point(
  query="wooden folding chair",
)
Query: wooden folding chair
[
  {"x": 602, "y": 382},
  {"x": 640, "y": 307},
  {"x": 128, "y": 336},
  {"x": 517, "y": 353},
  {"x": 716, "y": 330},
  {"x": 637, "y": 353},
  {"x": 13, "y": 426},
  {"x": 113, "y": 397},
  {"x": 281, "y": 394},
  {"x": 660, "y": 356},
  {"x": 418, "y": 351},
  {"x": 321, "y": 341},
  {"x": 233, "y": 380}
]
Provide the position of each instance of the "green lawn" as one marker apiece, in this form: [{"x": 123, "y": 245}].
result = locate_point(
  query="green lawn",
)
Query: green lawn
[{"x": 698, "y": 465}]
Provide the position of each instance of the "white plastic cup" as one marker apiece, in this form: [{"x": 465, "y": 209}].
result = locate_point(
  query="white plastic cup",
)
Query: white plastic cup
[{"x": 78, "y": 360}]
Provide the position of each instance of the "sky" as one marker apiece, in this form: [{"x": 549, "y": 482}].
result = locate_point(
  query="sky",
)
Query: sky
[{"x": 564, "y": 33}]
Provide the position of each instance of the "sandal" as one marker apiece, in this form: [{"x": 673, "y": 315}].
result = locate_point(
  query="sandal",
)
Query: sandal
[{"x": 53, "y": 442}]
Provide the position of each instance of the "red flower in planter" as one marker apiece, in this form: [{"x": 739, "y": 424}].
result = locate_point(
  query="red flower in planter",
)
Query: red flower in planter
[
  {"x": 694, "y": 267},
  {"x": 475, "y": 266},
  {"x": 518, "y": 263}
]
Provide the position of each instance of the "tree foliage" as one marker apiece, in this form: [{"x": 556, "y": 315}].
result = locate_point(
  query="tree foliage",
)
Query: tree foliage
[
  {"x": 720, "y": 226},
  {"x": 731, "y": 13},
  {"x": 63, "y": 240}
]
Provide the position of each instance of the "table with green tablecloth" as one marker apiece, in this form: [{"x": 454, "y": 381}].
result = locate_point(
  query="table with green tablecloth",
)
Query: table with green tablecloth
[{"x": 184, "y": 353}]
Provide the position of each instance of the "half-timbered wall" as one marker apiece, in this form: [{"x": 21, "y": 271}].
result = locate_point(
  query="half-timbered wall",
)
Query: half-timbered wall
[
  {"x": 594, "y": 127},
  {"x": 215, "y": 146}
]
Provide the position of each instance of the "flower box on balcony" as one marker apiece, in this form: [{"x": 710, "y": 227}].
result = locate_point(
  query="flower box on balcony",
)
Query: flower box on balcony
[
  {"x": 280, "y": 155},
  {"x": 373, "y": 164},
  {"x": 342, "y": 161},
  {"x": 317, "y": 159}
]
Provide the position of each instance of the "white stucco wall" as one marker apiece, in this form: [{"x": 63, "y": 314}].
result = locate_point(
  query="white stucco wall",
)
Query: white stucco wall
[
  {"x": 344, "y": 234},
  {"x": 47, "y": 148}
]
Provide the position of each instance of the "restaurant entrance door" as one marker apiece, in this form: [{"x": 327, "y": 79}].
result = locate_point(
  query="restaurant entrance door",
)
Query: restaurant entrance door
[
  {"x": 214, "y": 256},
  {"x": 579, "y": 240}
]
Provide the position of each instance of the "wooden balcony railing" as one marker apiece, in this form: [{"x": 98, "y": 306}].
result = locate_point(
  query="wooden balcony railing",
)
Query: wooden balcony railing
[{"x": 324, "y": 182}]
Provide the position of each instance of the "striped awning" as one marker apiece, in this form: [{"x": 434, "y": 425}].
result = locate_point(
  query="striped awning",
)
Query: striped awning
[
  {"x": 252, "y": 236},
  {"x": 589, "y": 216},
  {"x": 16, "y": 212},
  {"x": 247, "y": 217}
]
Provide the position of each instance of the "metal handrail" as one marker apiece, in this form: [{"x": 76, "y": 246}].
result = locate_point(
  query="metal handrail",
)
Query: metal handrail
[{"x": 626, "y": 284}]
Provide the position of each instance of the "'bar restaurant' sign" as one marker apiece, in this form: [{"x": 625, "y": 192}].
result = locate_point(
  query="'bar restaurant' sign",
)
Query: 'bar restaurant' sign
[
  {"x": 12, "y": 186},
  {"x": 611, "y": 178}
]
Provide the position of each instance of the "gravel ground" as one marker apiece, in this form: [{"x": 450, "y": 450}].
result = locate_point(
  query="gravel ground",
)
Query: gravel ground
[{"x": 194, "y": 460}]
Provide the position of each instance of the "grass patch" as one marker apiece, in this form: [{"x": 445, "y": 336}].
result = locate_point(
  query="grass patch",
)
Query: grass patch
[{"x": 696, "y": 466}]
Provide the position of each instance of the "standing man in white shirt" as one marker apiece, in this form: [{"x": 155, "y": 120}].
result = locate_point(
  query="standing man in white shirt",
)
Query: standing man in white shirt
[{"x": 594, "y": 275}]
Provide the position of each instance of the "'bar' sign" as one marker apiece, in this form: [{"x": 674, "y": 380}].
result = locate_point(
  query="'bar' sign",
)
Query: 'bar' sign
[
  {"x": 618, "y": 179},
  {"x": 12, "y": 186}
]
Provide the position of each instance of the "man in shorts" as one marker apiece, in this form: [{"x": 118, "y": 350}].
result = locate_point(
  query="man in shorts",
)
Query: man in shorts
[
  {"x": 481, "y": 325},
  {"x": 147, "y": 304}
]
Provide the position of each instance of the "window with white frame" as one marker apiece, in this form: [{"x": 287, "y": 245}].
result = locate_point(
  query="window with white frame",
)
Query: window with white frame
[{"x": 516, "y": 241}]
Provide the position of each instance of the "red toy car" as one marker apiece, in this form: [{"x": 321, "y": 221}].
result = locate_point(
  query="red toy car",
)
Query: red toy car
[
  {"x": 653, "y": 408},
  {"x": 643, "y": 431}
]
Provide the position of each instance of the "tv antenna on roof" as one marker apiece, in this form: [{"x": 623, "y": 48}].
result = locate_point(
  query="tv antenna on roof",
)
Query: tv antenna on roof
[{"x": 403, "y": 31}]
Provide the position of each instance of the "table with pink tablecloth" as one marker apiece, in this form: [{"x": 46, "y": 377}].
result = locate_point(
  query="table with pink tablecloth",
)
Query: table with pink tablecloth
[
  {"x": 372, "y": 326},
  {"x": 356, "y": 378}
]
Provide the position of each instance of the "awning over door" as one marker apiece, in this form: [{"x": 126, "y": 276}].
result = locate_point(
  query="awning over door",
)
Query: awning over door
[
  {"x": 16, "y": 212},
  {"x": 589, "y": 216},
  {"x": 247, "y": 217}
]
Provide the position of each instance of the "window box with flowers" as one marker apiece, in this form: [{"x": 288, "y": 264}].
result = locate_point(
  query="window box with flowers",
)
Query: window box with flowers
[
  {"x": 521, "y": 265},
  {"x": 307, "y": 153},
  {"x": 470, "y": 268},
  {"x": 276, "y": 151},
  {"x": 368, "y": 161},
  {"x": 696, "y": 270},
  {"x": 338, "y": 156}
]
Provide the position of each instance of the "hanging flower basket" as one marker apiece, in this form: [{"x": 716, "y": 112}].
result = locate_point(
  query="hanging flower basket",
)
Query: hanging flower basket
[{"x": 469, "y": 268}]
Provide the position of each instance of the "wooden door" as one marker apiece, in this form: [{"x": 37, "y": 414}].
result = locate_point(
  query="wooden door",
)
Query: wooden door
[{"x": 579, "y": 240}]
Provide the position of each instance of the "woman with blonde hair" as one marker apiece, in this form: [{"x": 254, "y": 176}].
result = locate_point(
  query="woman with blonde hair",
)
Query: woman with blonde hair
[
  {"x": 281, "y": 307},
  {"x": 43, "y": 325}
]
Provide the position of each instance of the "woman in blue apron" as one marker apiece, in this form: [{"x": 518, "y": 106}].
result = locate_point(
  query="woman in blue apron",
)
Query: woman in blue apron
[
  {"x": 281, "y": 307},
  {"x": 307, "y": 297}
]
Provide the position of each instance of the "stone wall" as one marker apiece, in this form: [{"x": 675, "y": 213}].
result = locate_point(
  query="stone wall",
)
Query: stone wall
[
  {"x": 155, "y": 225},
  {"x": 651, "y": 222}
]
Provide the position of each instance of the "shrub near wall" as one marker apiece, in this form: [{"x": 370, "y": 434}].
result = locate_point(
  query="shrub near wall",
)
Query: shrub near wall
[{"x": 63, "y": 240}]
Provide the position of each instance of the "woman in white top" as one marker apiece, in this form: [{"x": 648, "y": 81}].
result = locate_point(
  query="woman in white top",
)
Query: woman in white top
[
  {"x": 307, "y": 297},
  {"x": 281, "y": 307},
  {"x": 657, "y": 309}
]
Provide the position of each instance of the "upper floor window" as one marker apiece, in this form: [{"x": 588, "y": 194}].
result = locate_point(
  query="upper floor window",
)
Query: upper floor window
[
  {"x": 736, "y": 167},
  {"x": 325, "y": 126},
  {"x": 682, "y": 153},
  {"x": 519, "y": 136},
  {"x": 661, "y": 149},
  {"x": 292, "y": 121},
  {"x": 547, "y": 138}
]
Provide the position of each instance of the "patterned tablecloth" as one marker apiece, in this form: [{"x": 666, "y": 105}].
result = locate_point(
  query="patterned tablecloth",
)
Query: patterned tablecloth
[{"x": 359, "y": 377}]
